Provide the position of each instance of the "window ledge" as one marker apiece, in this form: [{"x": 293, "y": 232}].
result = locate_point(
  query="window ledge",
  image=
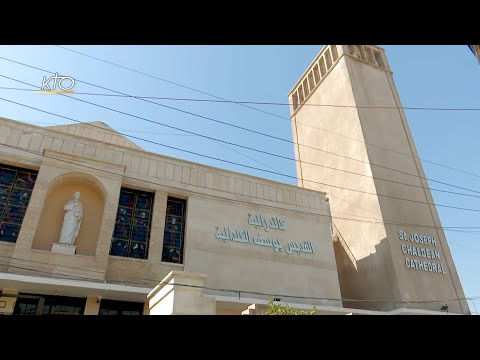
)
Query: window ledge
[
  {"x": 76, "y": 255},
  {"x": 7, "y": 243},
  {"x": 172, "y": 264},
  {"x": 126, "y": 258}
]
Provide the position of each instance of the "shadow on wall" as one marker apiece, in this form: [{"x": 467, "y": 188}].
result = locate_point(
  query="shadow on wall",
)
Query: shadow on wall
[
  {"x": 353, "y": 274},
  {"x": 359, "y": 282},
  {"x": 59, "y": 192}
]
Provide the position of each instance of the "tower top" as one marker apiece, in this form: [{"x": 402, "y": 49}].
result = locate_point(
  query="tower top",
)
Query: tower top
[{"x": 326, "y": 60}]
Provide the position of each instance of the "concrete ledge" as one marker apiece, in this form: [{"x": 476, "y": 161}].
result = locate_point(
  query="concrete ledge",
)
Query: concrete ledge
[
  {"x": 181, "y": 293},
  {"x": 64, "y": 249},
  {"x": 75, "y": 288}
]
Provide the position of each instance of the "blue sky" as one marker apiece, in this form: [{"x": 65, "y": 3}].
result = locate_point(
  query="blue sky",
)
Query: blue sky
[{"x": 425, "y": 76}]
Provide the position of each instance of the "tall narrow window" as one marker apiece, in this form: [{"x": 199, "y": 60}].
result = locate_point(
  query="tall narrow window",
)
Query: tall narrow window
[
  {"x": 295, "y": 100},
  {"x": 132, "y": 226},
  {"x": 174, "y": 231},
  {"x": 16, "y": 187},
  {"x": 328, "y": 59},
  {"x": 311, "y": 83},
  {"x": 316, "y": 74},
  {"x": 334, "y": 52},
  {"x": 378, "y": 59}
]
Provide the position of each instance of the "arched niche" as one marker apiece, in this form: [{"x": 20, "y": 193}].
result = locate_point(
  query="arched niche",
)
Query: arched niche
[{"x": 60, "y": 190}]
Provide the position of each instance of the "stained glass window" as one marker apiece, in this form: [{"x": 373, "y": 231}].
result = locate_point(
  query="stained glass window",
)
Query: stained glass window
[
  {"x": 132, "y": 226},
  {"x": 174, "y": 231},
  {"x": 16, "y": 187}
]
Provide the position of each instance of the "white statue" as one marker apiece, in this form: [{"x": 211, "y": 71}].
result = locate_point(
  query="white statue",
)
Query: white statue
[{"x": 71, "y": 220}]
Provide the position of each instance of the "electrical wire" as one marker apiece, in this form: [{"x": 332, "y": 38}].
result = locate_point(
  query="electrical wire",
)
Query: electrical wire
[
  {"x": 238, "y": 102},
  {"x": 189, "y": 191},
  {"x": 235, "y": 291},
  {"x": 222, "y": 122},
  {"x": 472, "y": 227},
  {"x": 285, "y": 118},
  {"x": 244, "y": 165}
]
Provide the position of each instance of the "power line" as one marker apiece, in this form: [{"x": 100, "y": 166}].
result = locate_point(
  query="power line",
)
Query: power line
[
  {"x": 237, "y": 290},
  {"x": 238, "y": 102},
  {"x": 279, "y": 116},
  {"x": 152, "y": 97},
  {"x": 450, "y": 227},
  {"x": 268, "y": 153},
  {"x": 243, "y": 165},
  {"x": 191, "y": 133},
  {"x": 168, "y": 81},
  {"x": 160, "y": 133},
  {"x": 464, "y": 227},
  {"x": 278, "y": 155},
  {"x": 446, "y": 228},
  {"x": 225, "y": 123},
  {"x": 463, "y": 246},
  {"x": 202, "y": 194}
]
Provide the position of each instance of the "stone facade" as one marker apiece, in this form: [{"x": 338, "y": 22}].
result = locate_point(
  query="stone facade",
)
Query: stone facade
[{"x": 93, "y": 159}]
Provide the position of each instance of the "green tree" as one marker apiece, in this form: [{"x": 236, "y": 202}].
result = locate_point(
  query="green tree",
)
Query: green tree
[{"x": 276, "y": 309}]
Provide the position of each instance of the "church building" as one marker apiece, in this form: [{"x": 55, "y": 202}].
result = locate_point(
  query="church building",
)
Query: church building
[{"x": 92, "y": 224}]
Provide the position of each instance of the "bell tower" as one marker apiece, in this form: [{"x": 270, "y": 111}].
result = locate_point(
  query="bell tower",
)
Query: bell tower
[{"x": 390, "y": 247}]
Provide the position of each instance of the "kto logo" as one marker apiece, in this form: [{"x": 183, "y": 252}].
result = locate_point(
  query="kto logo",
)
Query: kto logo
[{"x": 58, "y": 82}]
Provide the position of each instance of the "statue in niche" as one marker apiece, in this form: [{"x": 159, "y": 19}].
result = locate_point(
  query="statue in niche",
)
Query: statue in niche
[{"x": 72, "y": 219}]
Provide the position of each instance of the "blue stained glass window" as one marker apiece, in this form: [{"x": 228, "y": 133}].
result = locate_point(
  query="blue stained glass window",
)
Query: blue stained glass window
[
  {"x": 127, "y": 199},
  {"x": 176, "y": 207},
  {"x": 140, "y": 233},
  {"x": 124, "y": 215},
  {"x": 20, "y": 197},
  {"x": 137, "y": 250},
  {"x": 142, "y": 217},
  {"x": 14, "y": 214},
  {"x": 173, "y": 223},
  {"x": 119, "y": 248},
  {"x": 144, "y": 202},
  {"x": 9, "y": 232},
  {"x": 7, "y": 176},
  {"x": 16, "y": 187},
  {"x": 25, "y": 180},
  {"x": 132, "y": 226},
  {"x": 122, "y": 231},
  {"x": 173, "y": 237}
]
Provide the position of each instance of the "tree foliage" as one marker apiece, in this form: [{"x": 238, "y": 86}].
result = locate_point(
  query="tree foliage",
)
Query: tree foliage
[{"x": 277, "y": 309}]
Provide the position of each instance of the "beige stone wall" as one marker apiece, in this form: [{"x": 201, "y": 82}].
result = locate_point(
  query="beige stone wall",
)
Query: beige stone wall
[
  {"x": 101, "y": 132},
  {"x": 413, "y": 285},
  {"x": 371, "y": 262},
  {"x": 362, "y": 238},
  {"x": 260, "y": 270},
  {"x": 6, "y": 250},
  {"x": 101, "y": 168}
]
